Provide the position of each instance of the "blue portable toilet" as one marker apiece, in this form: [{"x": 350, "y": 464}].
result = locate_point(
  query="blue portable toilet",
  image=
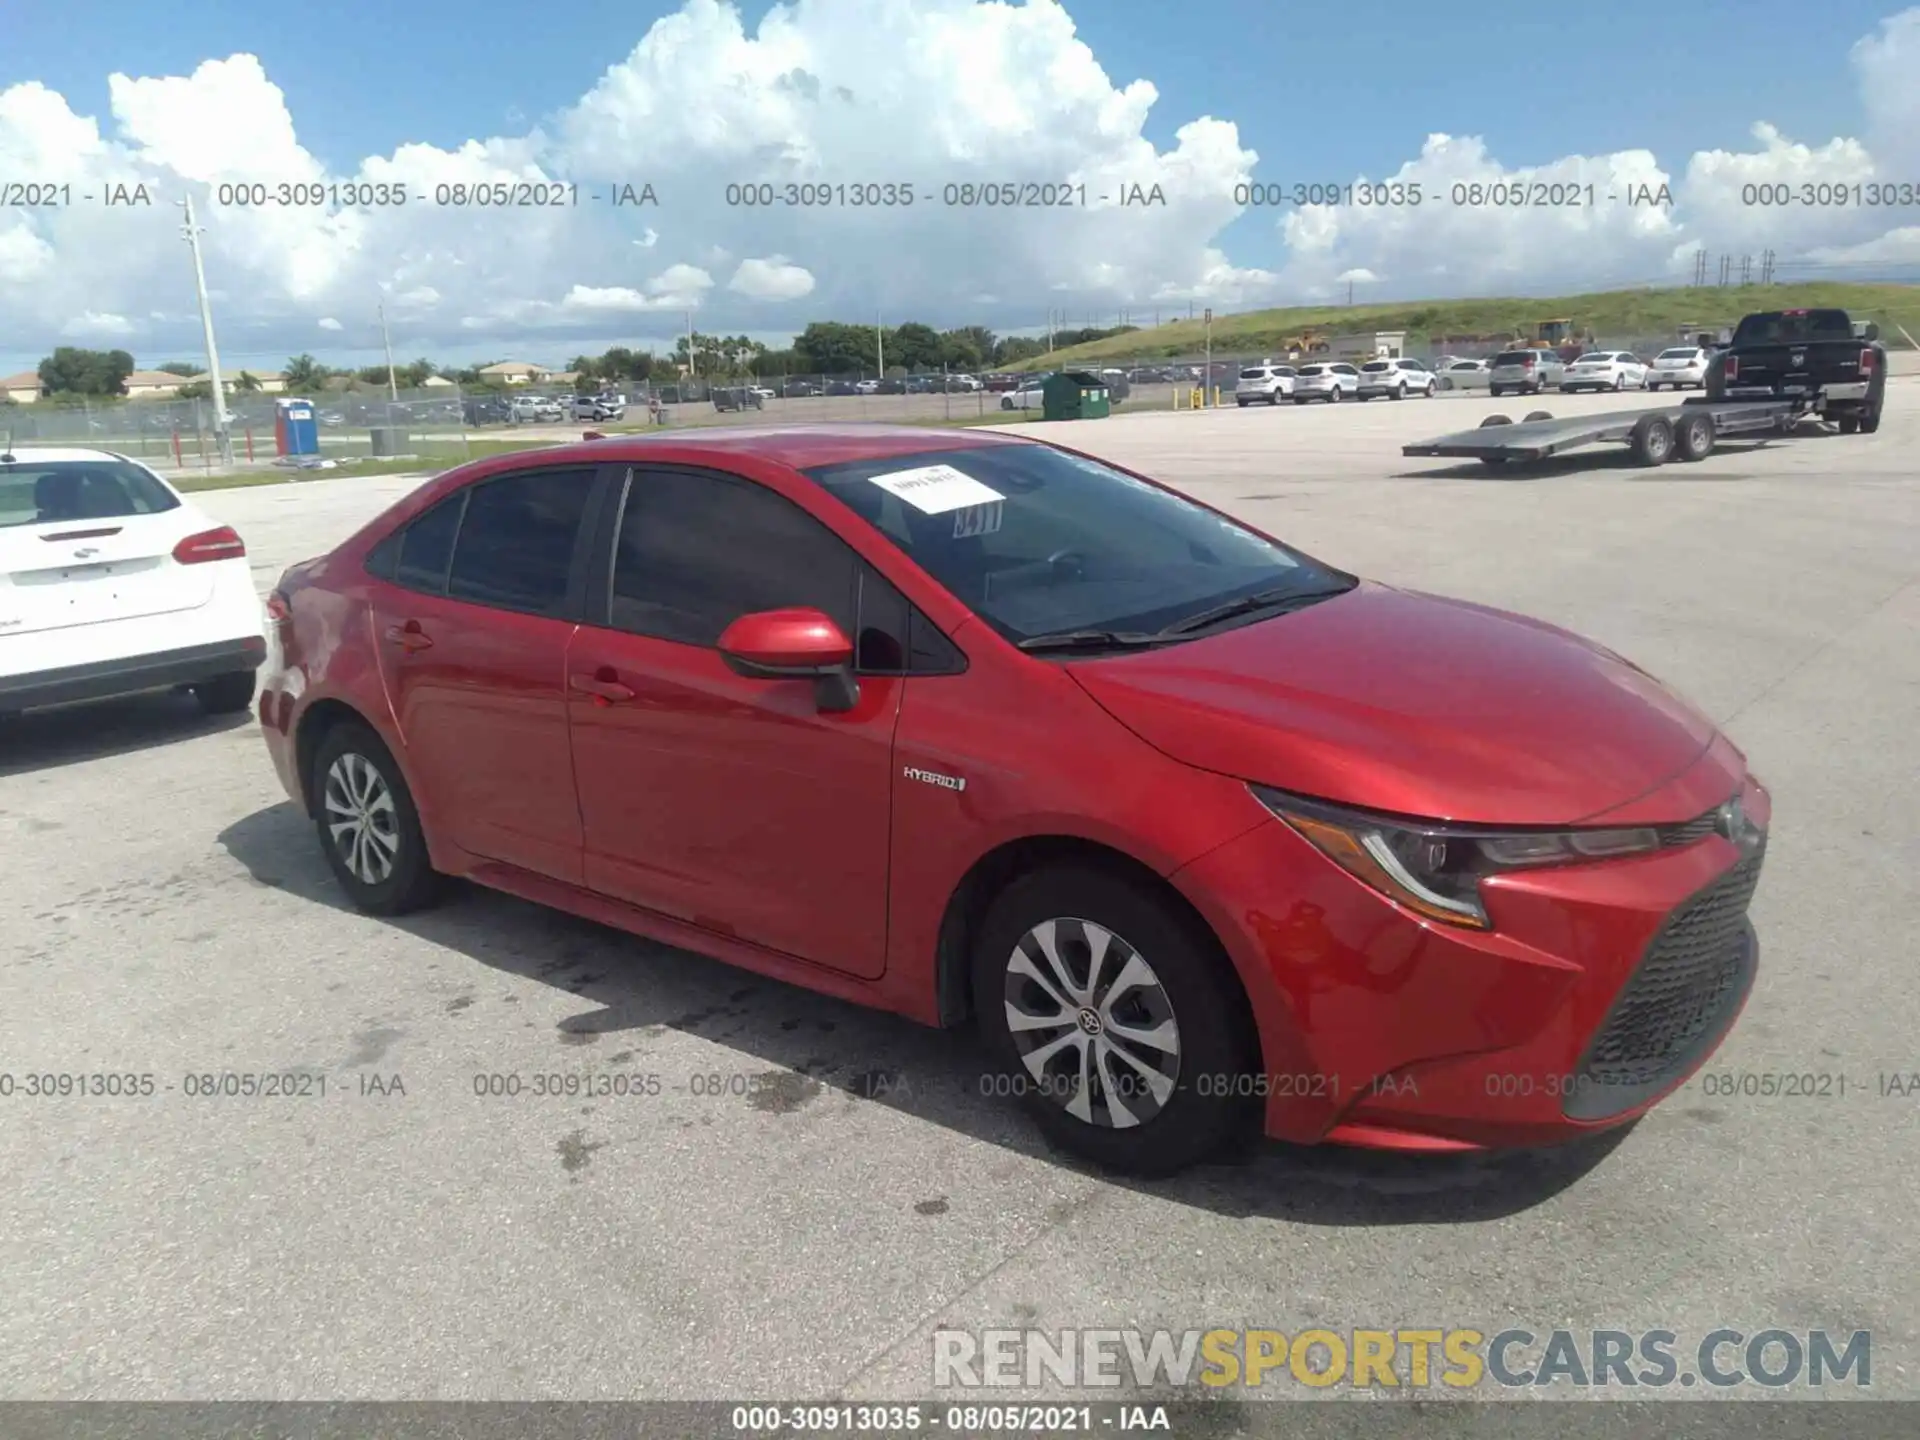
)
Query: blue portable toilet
[{"x": 295, "y": 430}]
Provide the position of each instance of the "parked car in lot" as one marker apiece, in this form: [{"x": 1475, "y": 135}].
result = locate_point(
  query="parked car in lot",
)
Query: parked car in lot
[
  {"x": 737, "y": 397},
  {"x": 486, "y": 410},
  {"x": 1524, "y": 372},
  {"x": 112, "y": 583},
  {"x": 1030, "y": 395},
  {"x": 1604, "y": 370},
  {"x": 1264, "y": 384},
  {"x": 867, "y": 387},
  {"x": 801, "y": 389},
  {"x": 1678, "y": 368},
  {"x": 1464, "y": 374},
  {"x": 1330, "y": 381},
  {"x": 1395, "y": 380},
  {"x": 596, "y": 407},
  {"x": 845, "y": 387},
  {"x": 536, "y": 410},
  {"x": 967, "y": 726}
]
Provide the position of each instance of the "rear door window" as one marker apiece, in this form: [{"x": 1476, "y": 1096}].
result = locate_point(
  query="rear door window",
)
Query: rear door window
[{"x": 517, "y": 541}]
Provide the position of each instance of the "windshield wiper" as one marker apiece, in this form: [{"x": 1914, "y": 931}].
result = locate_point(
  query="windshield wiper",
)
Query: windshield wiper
[
  {"x": 1247, "y": 604},
  {"x": 1090, "y": 640}
]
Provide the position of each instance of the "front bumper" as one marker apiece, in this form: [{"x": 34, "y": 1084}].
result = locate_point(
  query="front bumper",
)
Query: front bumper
[
  {"x": 1601, "y": 988},
  {"x": 131, "y": 675}
]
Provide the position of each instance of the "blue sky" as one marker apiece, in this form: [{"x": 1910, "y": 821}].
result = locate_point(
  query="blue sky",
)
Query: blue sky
[{"x": 1315, "y": 92}]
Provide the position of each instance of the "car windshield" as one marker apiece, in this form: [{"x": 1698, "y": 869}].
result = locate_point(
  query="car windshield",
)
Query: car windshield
[
  {"x": 1254, "y": 374},
  {"x": 1313, "y": 370},
  {"x": 1790, "y": 327},
  {"x": 1038, "y": 541},
  {"x": 1596, "y": 357},
  {"x": 52, "y": 492},
  {"x": 1513, "y": 357},
  {"x": 1687, "y": 354},
  {"x": 1374, "y": 367}
]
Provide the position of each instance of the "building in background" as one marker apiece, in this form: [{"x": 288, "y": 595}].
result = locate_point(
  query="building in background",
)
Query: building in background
[{"x": 515, "y": 372}]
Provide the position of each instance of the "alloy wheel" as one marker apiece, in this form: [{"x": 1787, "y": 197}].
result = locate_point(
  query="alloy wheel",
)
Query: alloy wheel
[
  {"x": 1092, "y": 1023},
  {"x": 362, "y": 820}
]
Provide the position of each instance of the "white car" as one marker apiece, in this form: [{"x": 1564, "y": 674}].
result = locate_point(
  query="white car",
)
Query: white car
[
  {"x": 1030, "y": 396},
  {"x": 534, "y": 409},
  {"x": 111, "y": 584},
  {"x": 1332, "y": 382},
  {"x": 1464, "y": 375},
  {"x": 964, "y": 383},
  {"x": 1680, "y": 367},
  {"x": 1396, "y": 379},
  {"x": 764, "y": 393},
  {"x": 1604, "y": 370},
  {"x": 1267, "y": 383}
]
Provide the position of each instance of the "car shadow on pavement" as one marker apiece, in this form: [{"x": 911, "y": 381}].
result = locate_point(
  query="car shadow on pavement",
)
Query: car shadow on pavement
[
  {"x": 804, "y": 1046},
  {"x": 47, "y": 739}
]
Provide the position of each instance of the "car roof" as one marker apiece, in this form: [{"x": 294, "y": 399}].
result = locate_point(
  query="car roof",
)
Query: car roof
[
  {"x": 798, "y": 447},
  {"x": 50, "y": 453}
]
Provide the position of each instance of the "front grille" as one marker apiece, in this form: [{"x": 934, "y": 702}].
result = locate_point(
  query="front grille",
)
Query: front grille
[
  {"x": 1696, "y": 829},
  {"x": 1694, "y": 972}
]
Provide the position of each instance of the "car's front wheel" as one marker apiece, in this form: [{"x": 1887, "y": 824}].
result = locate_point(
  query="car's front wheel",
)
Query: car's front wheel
[
  {"x": 1116, "y": 1020},
  {"x": 368, "y": 825},
  {"x": 227, "y": 694}
]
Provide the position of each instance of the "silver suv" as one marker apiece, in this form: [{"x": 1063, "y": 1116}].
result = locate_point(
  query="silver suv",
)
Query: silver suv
[
  {"x": 1331, "y": 382},
  {"x": 1396, "y": 379},
  {"x": 1267, "y": 383},
  {"x": 1525, "y": 372}
]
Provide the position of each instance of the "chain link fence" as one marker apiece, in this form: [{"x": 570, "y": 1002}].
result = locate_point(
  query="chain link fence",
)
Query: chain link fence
[{"x": 443, "y": 425}]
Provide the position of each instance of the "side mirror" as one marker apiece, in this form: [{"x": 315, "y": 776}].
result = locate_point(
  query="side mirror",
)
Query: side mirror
[
  {"x": 1871, "y": 333},
  {"x": 794, "y": 644}
]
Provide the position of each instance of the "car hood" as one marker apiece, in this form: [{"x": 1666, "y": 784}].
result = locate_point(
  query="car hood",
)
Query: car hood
[{"x": 1413, "y": 704}]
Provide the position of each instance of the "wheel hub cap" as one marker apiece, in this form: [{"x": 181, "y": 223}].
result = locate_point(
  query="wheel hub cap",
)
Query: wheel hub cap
[
  {"x": 361, "y": 819},
  {"x": 1092, "y": 1023}
]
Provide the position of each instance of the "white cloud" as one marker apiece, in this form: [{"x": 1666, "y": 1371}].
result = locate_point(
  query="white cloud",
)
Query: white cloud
[
  {"x": 93, "y": 325},
  {"x": 861, "y": 106},
  {"x": 773, "y": 278}
]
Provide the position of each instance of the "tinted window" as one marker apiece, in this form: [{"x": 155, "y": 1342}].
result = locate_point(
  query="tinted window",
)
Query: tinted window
[
  {"x": 53, "y": 492},
  {"x": 517, "y": 541},
  {"x": 1786, "y": 327},
  {"x": 1060, "y": 542},
  {"x": 1374, "y": 367},
  {"x": 1513, "y": 357},
  {"x": 426, "y": 547},
  {"x": 1687, "y": 354},
  {"x": 698, "y": 551}
]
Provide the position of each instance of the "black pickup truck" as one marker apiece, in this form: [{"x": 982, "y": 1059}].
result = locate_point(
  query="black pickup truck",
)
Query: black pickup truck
[{"x": 1840, "y": 368}]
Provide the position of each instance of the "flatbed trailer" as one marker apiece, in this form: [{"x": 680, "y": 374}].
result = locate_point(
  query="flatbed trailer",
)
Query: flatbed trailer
[{"x": 1687, "y": 431}]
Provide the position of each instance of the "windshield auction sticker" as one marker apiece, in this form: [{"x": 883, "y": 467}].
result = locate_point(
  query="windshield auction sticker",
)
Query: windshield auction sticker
[{"x": 937, "y": 489}]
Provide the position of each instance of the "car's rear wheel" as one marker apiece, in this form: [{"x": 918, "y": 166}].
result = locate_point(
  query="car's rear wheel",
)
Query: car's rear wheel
[
  {"x": 1400, "y": 393},
  {"x": 1116, "y": 1020},
  {"x": 1849, "y": 424},
  {"x": 368, "y": 825},
  {"x": 1619, "y": 383},
  {"x": 1870, "y": 421},
  {"x": 227, "y": 694}
]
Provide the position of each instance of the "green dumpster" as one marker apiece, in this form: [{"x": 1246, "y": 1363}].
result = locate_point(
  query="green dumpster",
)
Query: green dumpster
[{"x": 1075, "y": 395}]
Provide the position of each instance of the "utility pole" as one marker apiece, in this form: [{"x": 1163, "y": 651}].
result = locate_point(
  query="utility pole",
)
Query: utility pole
[
  {"x": 1207, "y": 383},
  {"x": 393, "y": 385},
  {"x": 223, "y": 436},
  {"x": 1050, "y": 327}
]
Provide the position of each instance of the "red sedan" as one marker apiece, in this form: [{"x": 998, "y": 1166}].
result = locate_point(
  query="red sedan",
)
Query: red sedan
[{"x": 959, "y": 724}]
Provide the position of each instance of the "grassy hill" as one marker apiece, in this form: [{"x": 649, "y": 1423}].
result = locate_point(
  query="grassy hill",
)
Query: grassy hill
[{"x": 1640, "y": 313}]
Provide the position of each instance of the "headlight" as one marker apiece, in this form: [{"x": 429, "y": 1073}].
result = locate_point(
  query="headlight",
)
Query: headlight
[{"x": 1435, "y": 870}]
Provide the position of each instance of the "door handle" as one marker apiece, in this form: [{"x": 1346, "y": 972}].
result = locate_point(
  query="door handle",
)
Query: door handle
[
  {"x": 603, "y": 685},
  {"x": 409, "y": 636}
]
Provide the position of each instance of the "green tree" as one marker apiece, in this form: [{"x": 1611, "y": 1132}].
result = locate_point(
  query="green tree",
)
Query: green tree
[
  {"x": 417, "y": 373},
  {"x": 178, "y": 367},
  {"x": 827, "y": 347},
  {"x": 303, "y": 373},
  {"x": 914, "y": 346},
  {"x": 73, "y": 371},
  {"x": 246, "y": 384},
  {"x": 198, "y": 390}
]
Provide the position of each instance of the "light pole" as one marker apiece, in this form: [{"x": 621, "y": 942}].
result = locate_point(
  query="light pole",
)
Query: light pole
[
  {"x": 223, "y": 437},
  {"x": 879, "y": 347},
  {"x": 393, "y": 385}
]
